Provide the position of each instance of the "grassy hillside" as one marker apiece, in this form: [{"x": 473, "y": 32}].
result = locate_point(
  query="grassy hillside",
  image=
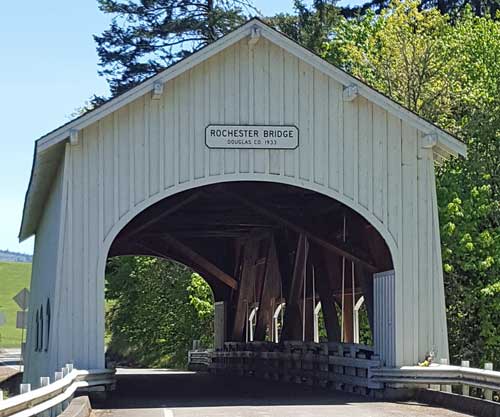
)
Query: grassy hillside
[{"x": 13, "y": 278}]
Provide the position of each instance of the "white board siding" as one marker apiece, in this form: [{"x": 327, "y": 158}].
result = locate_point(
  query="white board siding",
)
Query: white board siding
[
  {"x": 44, "y": 272},
  {"x": 150, "y": 149}
]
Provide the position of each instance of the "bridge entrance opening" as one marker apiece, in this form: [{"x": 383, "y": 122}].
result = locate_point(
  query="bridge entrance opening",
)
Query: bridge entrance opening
[{"x": 284, "y": 263}]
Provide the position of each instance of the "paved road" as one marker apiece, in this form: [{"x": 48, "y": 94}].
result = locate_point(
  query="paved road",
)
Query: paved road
[
  {"x": 186, "y": 394},
  {"x": 9, "y": 363}
]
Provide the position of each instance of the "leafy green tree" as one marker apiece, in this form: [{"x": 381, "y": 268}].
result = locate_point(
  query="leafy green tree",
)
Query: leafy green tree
[
  {"x": 449, "y": 73},
  {"x": 156, "y": 308},
  {"x": 453, "y": 7},
  {"x": 146, "y": 36},
  {"x": 310, "y": 26}
]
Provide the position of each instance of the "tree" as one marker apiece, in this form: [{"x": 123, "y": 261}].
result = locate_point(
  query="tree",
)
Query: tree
[
  {"x": 145, "y": 36},
  {"x": 309, "y": 26},
  {"x": 449, "y": 73},
  {"x": 452, "y": 7},
  {"x": 156, "y": 308}
]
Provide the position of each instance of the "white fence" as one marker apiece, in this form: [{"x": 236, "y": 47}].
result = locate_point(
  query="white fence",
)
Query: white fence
[{"x": 54, "y": 396}]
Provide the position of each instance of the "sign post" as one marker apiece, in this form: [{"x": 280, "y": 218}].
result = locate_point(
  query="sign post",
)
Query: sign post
[
  {"x": 22, "y": 300},
  {"x": 2, "y": 322}
]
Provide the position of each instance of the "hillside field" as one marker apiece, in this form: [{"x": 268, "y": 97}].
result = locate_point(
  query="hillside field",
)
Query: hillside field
[{"x": 14, "y": 276}]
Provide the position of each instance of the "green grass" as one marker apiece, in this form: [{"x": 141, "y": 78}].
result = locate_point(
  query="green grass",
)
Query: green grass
[{"x": 13, "y": 278}]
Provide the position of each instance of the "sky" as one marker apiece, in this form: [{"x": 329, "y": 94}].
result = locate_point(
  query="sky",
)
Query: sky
[{"x": 48, "y": 68}]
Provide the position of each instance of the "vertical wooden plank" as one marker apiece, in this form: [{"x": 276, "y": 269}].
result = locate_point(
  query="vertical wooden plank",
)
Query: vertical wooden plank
[
  {"x": 137, "y": 150},
  {"x": 305, "y": 122},
  {"x": 424, "y": 276},
  {"x": 261, "y": 99},
  {"x": 335, "y": 135},
  {"x": 395, "y": 223},
  {"x": 410, "y": 243},
  {"x": 183, "y": 128},
  {"x": 116, "y": 167},
  {"x": 379, "y": 163},
  {"x": 146, "y": 135},
  {"x": 193, "y": 120},
  {"x": 131, "y": 156},
  {"x": 244, "y": 101},
  {"x": 154, "y": 155},
  {"x": 291, "y": 111},
  {"x": 84, "y": 220},
  {"x": 230, "y": 99},
  {"x": 110, "y": 168},
  {"x": 276, "y": 110},
  {"x": 394, "y": 177},
  {"x": 321, "y": 132},
  {"x": 123, "y": 152},
  {"x": 351, "y": 149},
  {"x": 365, "y": 152},
  {"x": 440, "y": 335},
  {"x": 216, "y": 71},
  {"x": 169, "y": 134},
  {"x": 92, "y": 243},
  {"x": 199, "y": 122}
]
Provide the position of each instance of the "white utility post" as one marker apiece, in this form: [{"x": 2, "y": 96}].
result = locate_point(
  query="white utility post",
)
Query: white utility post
[
  {"x": 317, "y": 309},
  {"x": 357, "y": 306}
]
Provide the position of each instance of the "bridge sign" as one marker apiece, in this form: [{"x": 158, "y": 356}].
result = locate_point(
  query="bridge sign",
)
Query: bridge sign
[{"x": 22, "y": 298}]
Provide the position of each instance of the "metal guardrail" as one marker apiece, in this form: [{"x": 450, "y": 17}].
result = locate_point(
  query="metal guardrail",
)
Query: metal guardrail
[
  {"x": 440, "y": 375},
  {"x": 51, "y": 396},
  {"x": 199, "y": 358}
]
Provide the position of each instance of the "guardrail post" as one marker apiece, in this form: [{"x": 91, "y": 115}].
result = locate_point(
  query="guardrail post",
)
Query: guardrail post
[
  {"x": 1, "y": 395},
  {"x": 465, "y": 387},
  {"x": 44, "y": 381},
  {"x": 488, "y": 393},
  {"x": 24, "y": 388},
  {"x": 445, "y": 388},
  {"x": 58, "y": 408}
]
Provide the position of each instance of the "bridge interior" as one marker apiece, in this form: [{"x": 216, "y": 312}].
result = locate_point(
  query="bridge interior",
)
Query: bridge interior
[{"x": 274, "y": 254}]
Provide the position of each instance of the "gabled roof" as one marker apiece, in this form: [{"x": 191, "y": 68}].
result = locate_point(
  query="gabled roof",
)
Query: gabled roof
[{"x": 48, "y": 148}]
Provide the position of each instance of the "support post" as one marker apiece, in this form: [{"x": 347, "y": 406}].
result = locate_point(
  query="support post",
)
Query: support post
[
  {"x": 445, "y": 388},
  {"x": 292, "y": 329},
  {"x": 220, "y": 325},
  {"x": 270, "y": 291},
  {"x": 488, "y": 393},
  {"x": 24, "y": 388},
  {"x": 245, "y": 289},
  {"x": 465, "y": 387},
  {"x": 323, "y": 285}
]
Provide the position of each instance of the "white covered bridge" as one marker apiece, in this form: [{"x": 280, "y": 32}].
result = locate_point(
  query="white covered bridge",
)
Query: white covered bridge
[{"x": 283, "y": 180}]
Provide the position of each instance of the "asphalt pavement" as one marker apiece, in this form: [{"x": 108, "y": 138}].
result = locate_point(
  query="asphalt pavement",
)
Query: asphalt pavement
[{"x": 163, "y": 393}]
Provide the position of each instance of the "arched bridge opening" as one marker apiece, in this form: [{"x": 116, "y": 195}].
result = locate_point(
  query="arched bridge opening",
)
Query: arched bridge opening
[{"x": 287, "y": 265}]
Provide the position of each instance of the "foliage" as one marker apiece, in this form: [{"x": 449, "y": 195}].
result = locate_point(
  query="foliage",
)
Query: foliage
[
  {"x": 14, "y": 276},
  {"x": 452, "y": 7},
  {"x": 310, "y": 26},
  {"x": 449, "y": 73},
  {"x": 146, "y": 36},
  {"x": 157, "y": 308}
]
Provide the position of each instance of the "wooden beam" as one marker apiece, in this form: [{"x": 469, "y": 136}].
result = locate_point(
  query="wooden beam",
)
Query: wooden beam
[
  {"x": 326, "y": 296},
  {"x": 196, "y": 258},
  {"x": 162, "y": 215},
  {"x": 269, "y": 293},
  {"x": 292, "y": 328},
  {"x": 218, "y": 287},
  {"x": 245, "y": 295},
  {"x": 340, "y": 248}
]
